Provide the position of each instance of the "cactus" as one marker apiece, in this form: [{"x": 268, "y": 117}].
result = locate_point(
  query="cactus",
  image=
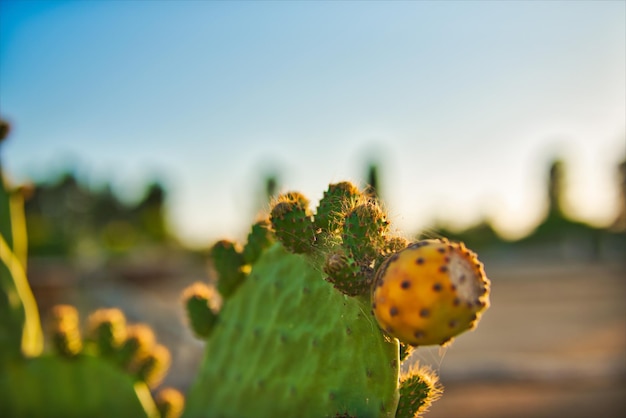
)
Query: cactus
[
  {"x": 109, "y": 373},
  {"x": 20, "y": 330},
  {"x": 318, "y": 322},
  {"x": 314, "y": 317}
]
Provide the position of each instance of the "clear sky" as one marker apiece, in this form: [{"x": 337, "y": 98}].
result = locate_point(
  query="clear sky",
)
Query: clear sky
[{"x": 462, "y": 103}]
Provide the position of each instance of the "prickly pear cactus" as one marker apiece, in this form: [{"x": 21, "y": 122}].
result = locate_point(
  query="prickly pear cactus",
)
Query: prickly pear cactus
[
  {"x": 318, "y": 311},
  {"x": 108, "y": 374}
]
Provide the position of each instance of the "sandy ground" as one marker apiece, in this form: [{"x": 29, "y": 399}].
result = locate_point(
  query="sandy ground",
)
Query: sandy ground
[{"x": 552, "y": 344}]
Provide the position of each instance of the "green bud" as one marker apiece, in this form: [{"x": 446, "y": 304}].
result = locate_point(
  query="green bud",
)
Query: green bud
[
  {"x": 107, "y": 328},
  {"x": 292, "y": 223},
  {"x": 202, "y": 318},
  {"x": 230, "y": 266},
  {"x": 338, "y": 199},
  {"x": 260, "y": 238}
]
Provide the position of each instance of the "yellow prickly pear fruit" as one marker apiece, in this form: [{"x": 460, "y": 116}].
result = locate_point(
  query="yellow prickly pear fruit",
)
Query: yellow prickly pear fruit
[{"x": 430, "y": 292}]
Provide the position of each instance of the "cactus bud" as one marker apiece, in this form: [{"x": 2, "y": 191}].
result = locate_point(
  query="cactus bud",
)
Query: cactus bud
[
  {"x": 395, "y": 244},
  {"x": 140, "y": 341},
  {"x": 230, "y": 266},
  {"x": 153, "y": 367},
  {"x": 198, "y": 300},
  {"x": 418, "y": 389},
  {"x": 338, "y": 199},
  {"x": 65, "y": 331},
  {"x": 292, "y": 222},
  {"x": 107, "y": 328},
  {"x": 346, "y": 275},
  {"x": 364, "y": 231},
  {"x": 170, "y": 403},
  {"x": 259, "y": 239}
]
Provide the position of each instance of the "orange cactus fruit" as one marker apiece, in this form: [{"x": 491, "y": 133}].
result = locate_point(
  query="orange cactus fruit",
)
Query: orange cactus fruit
[{"x": 430, "y": 292}]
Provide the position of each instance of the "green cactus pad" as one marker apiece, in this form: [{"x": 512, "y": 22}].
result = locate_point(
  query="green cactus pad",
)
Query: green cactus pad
[
  {"x": 86, "y": 386},
  {"x": 320, "y": 354}
]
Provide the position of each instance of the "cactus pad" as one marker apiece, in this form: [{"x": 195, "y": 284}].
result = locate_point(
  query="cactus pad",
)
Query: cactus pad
[{"x": 306, "y": 357}]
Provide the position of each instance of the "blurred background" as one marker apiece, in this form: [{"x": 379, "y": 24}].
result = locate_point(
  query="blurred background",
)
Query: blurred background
[{"x": 144, "y": 131}]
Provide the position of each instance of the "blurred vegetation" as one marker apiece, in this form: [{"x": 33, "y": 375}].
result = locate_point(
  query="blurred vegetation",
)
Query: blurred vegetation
[
  {"x": 558, "y": 230},
  {"x": 66, "y": 217}
]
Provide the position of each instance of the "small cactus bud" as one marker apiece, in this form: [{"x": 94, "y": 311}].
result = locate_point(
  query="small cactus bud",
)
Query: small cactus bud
[
  {"x": 198, "y": 300},
  {"x": 430, "y": 292},
  {"x": 230, "y": 266},
  {"x": 346, "y": 275},
  {"x": 419, "y": 387},
  {"x": 153, "y": 367},
  {"x": 107, "y": 328},
  {"x": 292, "y": 223},
  {"x": 364, "y": 231},
  {"x": 170, "y": 403},
  {"x": 65, "y": 330},
  {"x": 260, "y": 238},
  {"x": 395, "y": 244},
  {"x": 140, "y": 341},
  {"x": 338, "y": 199}
]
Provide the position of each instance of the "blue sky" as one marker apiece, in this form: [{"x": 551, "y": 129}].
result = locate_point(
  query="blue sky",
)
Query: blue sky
[{"x": 462, "y": 103}]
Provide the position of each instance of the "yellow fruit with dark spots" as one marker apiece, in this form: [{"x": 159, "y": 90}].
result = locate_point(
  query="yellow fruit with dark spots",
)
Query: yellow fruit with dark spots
[{"x": 430, "y": 292}]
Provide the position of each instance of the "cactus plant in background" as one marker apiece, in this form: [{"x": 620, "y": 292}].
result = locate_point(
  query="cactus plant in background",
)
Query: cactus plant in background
[
  {"x": 318, "y": 321},
  {"x": 109, "y": 373}
]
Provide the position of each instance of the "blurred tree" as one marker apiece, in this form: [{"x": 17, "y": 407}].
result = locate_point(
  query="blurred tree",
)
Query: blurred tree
[
  {"x": 150, "y": 213},
  {"x": 4, "y": 129},
  {"x": 373, "y": 180},
  {"x": 65, "y": 215},
  {"x": 271, "y": 186},
  {"x": 556, "y": 189},
  {"x": 478, "y": 236},
  {"x": 619, "y": 225}
]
